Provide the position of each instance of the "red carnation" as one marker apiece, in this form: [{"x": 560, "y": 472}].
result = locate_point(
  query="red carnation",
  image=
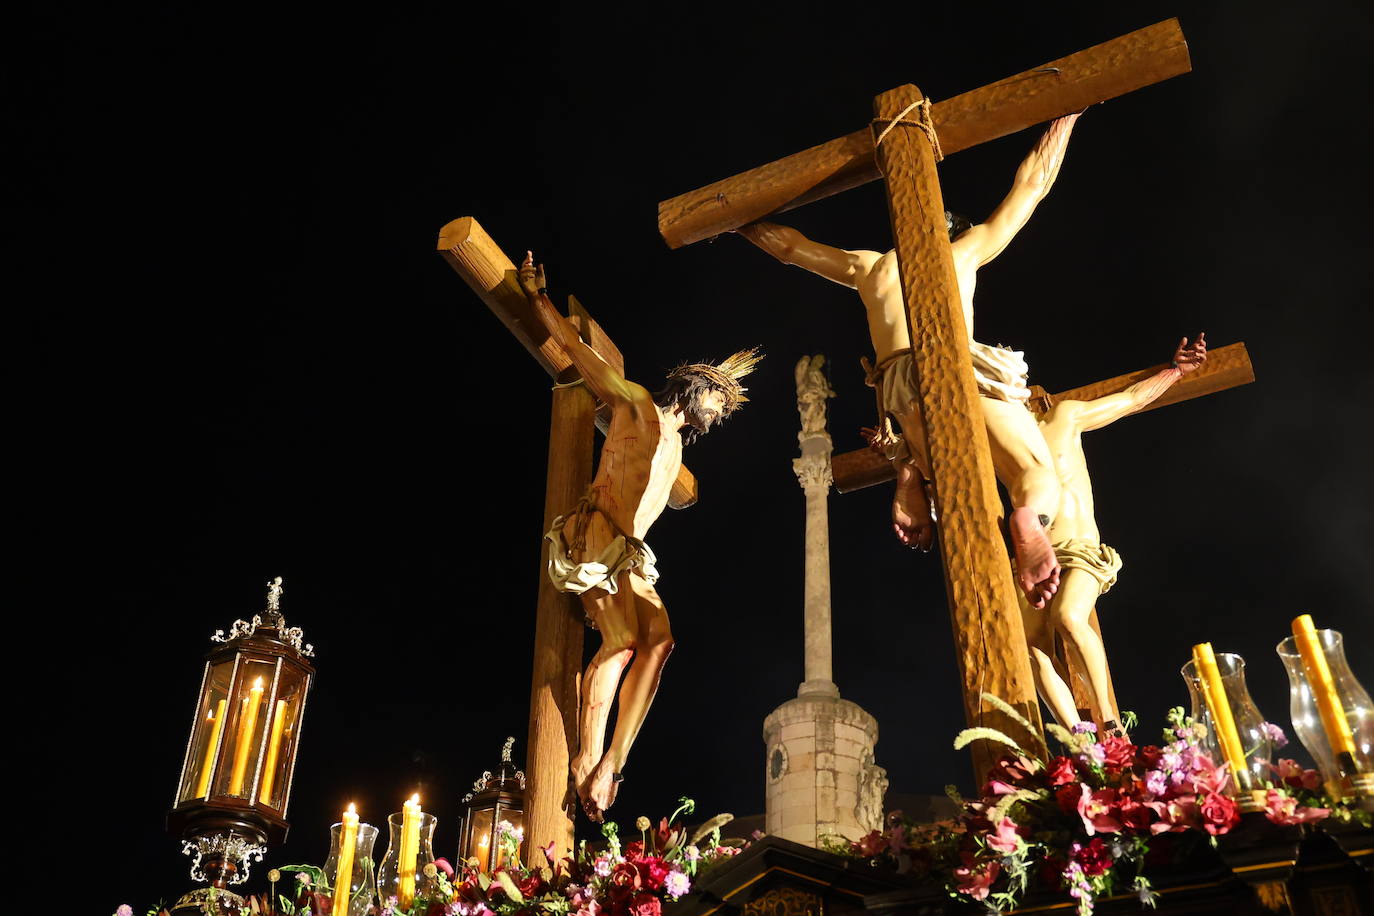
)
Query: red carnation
[
  {"x": 634, "y": 849},
  {"x": 1151, "y": 755},
  {"x": 1062, "y": 772},
  {"x": 1095, "y": 858},
  {"x": 654, "y": 871},
  {"x": 1067, "y": 797},
  {"x": 1133, "y": 814},
  {"x": 1219, "y": 813},
  {"x": 1120, "y": 754},
  {"x": 871, "y": 844},
  {"x": 646, "y": 904}
]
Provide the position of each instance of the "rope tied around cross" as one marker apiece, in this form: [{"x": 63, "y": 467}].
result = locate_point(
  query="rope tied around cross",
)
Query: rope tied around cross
[{"x": 923, "y": 122}]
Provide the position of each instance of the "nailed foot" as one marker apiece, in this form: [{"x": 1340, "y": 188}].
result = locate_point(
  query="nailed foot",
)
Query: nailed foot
[
  {"x": 600, "y": 790},
  {"x": 912, "y": 513},
  {"x": 1037, "y": 570}
]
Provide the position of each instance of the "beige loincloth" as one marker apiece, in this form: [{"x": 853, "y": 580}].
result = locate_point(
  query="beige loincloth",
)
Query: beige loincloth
[
  {"x": 623, "y": 553},
  {"x": 1091, "y": 556},
  {"x": 1000, "y": 372}
]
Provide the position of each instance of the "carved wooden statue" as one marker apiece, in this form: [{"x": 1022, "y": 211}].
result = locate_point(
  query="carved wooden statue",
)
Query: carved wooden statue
[{"x": 597, "y": 548}]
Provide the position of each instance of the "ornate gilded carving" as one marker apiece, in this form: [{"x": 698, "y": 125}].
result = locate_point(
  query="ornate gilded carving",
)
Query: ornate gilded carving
[{"x": 785, "y": 901}]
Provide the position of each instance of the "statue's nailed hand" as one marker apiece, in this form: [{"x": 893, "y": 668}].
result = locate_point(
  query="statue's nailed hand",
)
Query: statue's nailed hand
[
  {"x": 1190, "y": 356},
  {"x": 531, "y": 277}
]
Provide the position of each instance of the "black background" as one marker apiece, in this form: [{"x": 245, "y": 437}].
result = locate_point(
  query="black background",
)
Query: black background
[{"x": 238, "y": 355}]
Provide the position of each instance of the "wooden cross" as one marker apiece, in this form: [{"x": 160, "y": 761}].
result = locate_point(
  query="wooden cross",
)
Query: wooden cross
[
  {"x": 989, "y": 640},
  {"x": 558, "y": 620}
]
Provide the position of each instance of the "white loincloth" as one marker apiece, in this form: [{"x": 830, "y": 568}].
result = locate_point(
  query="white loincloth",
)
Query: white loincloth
[{"x": 604, "y": 570}]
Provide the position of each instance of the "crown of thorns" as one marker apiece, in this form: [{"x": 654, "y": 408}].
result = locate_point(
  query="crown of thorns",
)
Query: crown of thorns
[{"x": 724, "y": 375}]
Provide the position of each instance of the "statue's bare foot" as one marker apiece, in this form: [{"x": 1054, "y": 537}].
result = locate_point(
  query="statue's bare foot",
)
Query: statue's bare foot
[
  {"x": 911, "y": 514},
  {"x": 581, "y": 772},
  {"x": 1037, "y": 570},
  {"x": 602, "y": 787}
]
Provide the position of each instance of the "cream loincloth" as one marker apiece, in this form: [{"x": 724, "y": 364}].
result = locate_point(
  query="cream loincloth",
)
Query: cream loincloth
[
  {"x": 1091, "y": 556},
  {"x": 623, "y": 553},
  {"x": 1000, "y": 372}
]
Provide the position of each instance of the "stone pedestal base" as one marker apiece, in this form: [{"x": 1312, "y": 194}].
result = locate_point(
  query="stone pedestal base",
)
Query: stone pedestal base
[{"x": 820, "y": 773}]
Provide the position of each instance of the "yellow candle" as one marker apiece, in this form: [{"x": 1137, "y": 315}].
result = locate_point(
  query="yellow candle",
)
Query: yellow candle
[
  {"x": 1215, "y": 694},
  {"x": 1323, "y": 687},
  {"x": 410, "y": 849},
  {"x": 269, "y": 768},
  {"x": 216, "y": 720},
  {"x": 248, "y": 724},
  {"x": 343, "y": 878}
]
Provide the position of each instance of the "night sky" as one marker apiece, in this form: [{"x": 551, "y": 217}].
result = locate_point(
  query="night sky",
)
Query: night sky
[{"x": 243, "y": 358}]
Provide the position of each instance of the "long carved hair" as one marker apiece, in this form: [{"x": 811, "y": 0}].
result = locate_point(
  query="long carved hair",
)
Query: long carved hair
[{"x": 685, "y": 391}]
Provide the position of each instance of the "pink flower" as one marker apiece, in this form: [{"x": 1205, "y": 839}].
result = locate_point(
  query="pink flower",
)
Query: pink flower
[
  {"x": 1177, "y": 814},
  {"x": 1292, "y": 773},
  {"x": 1095, "y": 808},
  {"x": 124, "y": 910},
  {"x": 1005, "y": 840},
  {"x": 602, "y": 866},
  {"x": 677, "y": 884},
  {"x": 1284, "y": 809},
  {"x": 976, "y": 881}
]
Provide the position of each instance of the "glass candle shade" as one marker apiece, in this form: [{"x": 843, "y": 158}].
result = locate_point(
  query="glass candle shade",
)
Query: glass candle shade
[
  {"x": 1349, "y": 770},
  {"x": 361, "y": 883},
  {"x": 1255, "y": 747},
  {"x": 391, "y": 875}
]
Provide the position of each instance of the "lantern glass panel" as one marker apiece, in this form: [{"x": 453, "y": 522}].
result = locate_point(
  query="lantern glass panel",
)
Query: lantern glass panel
[
  {"x": 482, "y": 837},
  {"x": 207, "y": 737},
  {"x": 281, "y": 729},
  {"x": 246, "y": 728},
  {"x": 517, "y": 820}
]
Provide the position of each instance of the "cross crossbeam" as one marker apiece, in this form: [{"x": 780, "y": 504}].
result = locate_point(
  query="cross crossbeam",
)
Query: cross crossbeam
[
  {"x": 1226, "y": 367},
  {"x": 1106, "y": 71}
]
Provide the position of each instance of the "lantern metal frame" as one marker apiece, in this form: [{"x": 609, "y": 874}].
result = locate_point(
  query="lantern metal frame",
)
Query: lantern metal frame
[
  {"x": 224, "y": 831},
  {"x": 502, "y": 793}
]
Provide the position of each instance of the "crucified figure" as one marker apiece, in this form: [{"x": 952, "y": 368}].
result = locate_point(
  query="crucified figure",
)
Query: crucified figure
[
  {"x": 597, "y": 549},
  {"x": 1019, "y": 452},
  {"x": 1090, "y": 567}
]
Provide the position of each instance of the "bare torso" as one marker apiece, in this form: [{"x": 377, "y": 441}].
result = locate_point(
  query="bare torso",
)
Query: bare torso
[
  {"x": 639, "y": 462},
  {"x": 880, "y": 288},
  {"x": 1064, "y": 435}
]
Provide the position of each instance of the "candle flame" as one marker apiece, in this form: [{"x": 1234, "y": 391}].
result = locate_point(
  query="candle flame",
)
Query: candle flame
[
  {"x": 415, "y": 799},
  {"x": 484, "y": 840},
  {"x": 352, "y": 808},
  {"x": 257, "y": 684}
]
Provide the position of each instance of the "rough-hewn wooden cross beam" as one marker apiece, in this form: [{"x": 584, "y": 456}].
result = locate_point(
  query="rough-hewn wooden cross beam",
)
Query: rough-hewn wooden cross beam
[
  {"x": 1070, "y": 84},
  {"x": 1226, "y": 367},
  {"x": 465, "y": 245}
]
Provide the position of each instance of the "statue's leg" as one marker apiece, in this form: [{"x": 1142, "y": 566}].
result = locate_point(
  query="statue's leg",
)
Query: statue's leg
[
  {"x": 614, "y": 616},
  {"x": 1023, "y": 463},
  {"x": 1071, "y": 611},
  {"x": 653, "y": 644},
  {"x": 1049, "y": 683}
]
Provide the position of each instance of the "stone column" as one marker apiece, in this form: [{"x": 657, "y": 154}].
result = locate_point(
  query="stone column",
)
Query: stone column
[{"x": 821, "y": 779}]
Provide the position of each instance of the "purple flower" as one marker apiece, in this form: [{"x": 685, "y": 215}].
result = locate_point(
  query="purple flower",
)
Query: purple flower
[
  {"x": 124, "y": 910},
  {"x": 1274, "y": 734},
  {"x": 602, "y": 866},
  {"x": 691, "y": 853},
  {"x": 1171, "y": 761},
  {"x": 1156, "y": 783},
  {"x": 1085, "y": 728},
  {"x": 677, "y": 884}
]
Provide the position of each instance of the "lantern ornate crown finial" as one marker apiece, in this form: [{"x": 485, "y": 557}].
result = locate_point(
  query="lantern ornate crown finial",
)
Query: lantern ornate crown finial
[
  {"x": 270, "y": 618},
  {"x": 506, "y": 749}
]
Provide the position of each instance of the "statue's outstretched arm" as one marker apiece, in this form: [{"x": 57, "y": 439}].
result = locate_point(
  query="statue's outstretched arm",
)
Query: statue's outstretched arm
[
  {"x": 789, "y": 246},
  {"x": 1099, "y": 412},
  {"x": 609, "y": 386},
  {"x": 1034, "y": 178}
]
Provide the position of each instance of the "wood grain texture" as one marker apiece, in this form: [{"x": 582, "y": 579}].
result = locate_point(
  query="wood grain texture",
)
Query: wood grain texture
[
  {"x": 1226, "y": 367},
  {"x": 558, "y": 633},
  {"x": 1059, "y": 87},
  {"x": 990, "y": 644},
  {"x": 472, "y": 253}
]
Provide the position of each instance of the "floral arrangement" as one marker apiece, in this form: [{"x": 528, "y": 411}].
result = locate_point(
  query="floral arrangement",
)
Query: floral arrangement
[
  {"x": 1083, "y": 819},
  {"x": 630, "y": 879}
]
